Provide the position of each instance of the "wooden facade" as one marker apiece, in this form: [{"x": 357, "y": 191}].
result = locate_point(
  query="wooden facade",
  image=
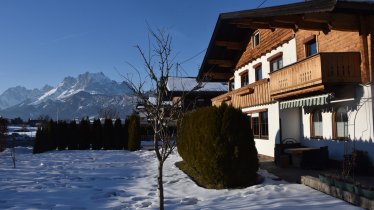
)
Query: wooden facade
[
  {"x": 315, "y": 74},
  {"x": 343, "y": 32},
  {"x": 250, "y": 95}
]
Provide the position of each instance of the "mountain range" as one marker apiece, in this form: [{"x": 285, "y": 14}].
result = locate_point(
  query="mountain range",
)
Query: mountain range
[{"x": 83, "y": 96}]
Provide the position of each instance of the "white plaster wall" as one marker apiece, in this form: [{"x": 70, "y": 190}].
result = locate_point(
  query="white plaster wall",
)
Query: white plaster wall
[
  {"x": 291, "y": 123},
  {"x": 289, "y": 57},
  {"x": 266, "y": 147},
  {"x": 360, "y": 128}
]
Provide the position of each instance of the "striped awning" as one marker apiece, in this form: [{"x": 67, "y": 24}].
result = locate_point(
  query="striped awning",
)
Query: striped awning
[{"x": 308, "y": 101}]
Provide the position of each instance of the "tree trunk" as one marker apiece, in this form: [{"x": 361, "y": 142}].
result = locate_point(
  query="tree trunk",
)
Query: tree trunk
[{"x": 160, "y": 185}]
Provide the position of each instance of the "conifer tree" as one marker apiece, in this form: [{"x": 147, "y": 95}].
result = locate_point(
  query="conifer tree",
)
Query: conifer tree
[
  {"x": 108, "y": 134},
  {"x": 73, "y": 136},
  {"x": 125, "y": 134},
  {"x": 134, "y": 133},
  {"x": 3, "y": 130},
  {"x": 62, "y": 132},
  {"x": 97, "y": 135},
  {"x": 84, "y": 134},
  {"x": 118, "y": 134},
  {"x": 38, "y": 141},
  {"x": 51, "y": 136}
]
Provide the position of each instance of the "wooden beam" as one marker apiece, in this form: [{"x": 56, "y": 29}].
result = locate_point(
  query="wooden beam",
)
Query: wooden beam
[
  {"x": 298, "y": 92},
  {"x": 246, "y": 91},
  {"x": 230, "y": 45},
  {"x": 366, "y": 75},
  {"x": 221, "y": 63},
  {"x": 317, "y": 17},
  {"x": 292, "y": 25},
  {"x": 317, "y": 21},
  {"x": 223, "y": 76}
]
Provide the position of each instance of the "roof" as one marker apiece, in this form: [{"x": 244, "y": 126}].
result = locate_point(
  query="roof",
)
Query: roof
[
  {"x": 287, "y": 9},
  {"x": 184, "y": 84},
  {"x": 233, "y": 29}
]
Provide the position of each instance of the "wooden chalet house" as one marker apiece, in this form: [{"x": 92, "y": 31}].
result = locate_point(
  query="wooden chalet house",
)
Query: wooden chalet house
[
  {"x": 194, "y": 95},
  {"x": 301, "y": 71}
]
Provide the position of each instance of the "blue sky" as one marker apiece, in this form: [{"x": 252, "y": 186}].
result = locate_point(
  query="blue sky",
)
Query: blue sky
[{"x": 43, "y": 41}]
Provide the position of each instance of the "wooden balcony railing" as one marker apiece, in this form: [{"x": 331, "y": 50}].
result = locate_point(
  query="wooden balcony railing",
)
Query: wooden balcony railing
[
  {"x": 315, "y": 74},
  {"x": 253, "y": 94}
]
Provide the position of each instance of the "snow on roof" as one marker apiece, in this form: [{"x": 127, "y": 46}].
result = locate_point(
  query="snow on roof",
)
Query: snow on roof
[
  {"x": 153, "y": 101},
  {"x": 188, "y": 83}
]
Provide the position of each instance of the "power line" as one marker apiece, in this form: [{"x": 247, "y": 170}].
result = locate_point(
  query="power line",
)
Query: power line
[
  {"x": 193, "y": 56},
  {"x": 261, "y": 3}
]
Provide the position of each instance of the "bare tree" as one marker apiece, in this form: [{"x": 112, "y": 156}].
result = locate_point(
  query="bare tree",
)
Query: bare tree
[
  {"x": 161, "y": 113},
  {"x": 108, "y": 113}
]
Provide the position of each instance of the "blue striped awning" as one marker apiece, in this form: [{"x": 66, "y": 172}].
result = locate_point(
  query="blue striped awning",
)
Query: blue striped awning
[{"x": 308, "y": 101}]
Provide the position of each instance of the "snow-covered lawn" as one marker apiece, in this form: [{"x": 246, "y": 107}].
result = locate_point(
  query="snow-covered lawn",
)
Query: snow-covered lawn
[{"x": 125, "y": 180}]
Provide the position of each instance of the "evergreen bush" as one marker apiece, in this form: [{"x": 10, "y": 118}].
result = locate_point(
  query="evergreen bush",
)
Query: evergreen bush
[
  {"x": 84, "y": 134},
  {"x": 134, "y": 133},
  {"x": 125, "y": 134},
  {"x": 97, "y": 135},
  {"x": 108, "y": 134},
  {"x": 39, "y": 141},
  {"x": 117, "y": 132},
  {"x": 73, "y": 136},
  {"x": 62, "y": 135},
  {"x": 217, "y": 144},
  {"x": 3, "y": 130},
  {"x": 51, "y": 136}
]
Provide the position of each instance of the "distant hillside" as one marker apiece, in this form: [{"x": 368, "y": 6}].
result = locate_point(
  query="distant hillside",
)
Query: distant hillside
[{"x": 72, "y": 98}]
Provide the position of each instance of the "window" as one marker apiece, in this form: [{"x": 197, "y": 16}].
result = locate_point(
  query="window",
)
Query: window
[
  {"x": 244, "y": 78},
  {"x": 340, "y": 124},
  {"x": 311, "y": 47},
  {"x": 256, "y": 39},
  {"x": 276, "y": 63},
  {"x": 316, "y": 124},
  {"x": 258, "y": 73},
  {"x": 231, "y": 84},
  {"x": 260, "y": 127}
]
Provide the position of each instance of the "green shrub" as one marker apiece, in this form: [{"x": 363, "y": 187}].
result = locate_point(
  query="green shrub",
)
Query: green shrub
[
  {"x": 39, "y": 141},
  {"x": 84, "y": 134},
  {"x": 3, "y": 130},
  {"x": 73, "y": 136},
  {"x": 97, "y": 135},
  {"x": 117, "y": 134},
  {"x": 134, "y": 133},
  {"x": 125, "y": 134},
  {"x": 217, "y": 144},
  {"x": 62, "y": 135},
  {"x": 108, "y": 136}
]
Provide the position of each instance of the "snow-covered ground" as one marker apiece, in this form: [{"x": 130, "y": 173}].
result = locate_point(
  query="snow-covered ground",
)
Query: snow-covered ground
[
  {"x": 127, "y": 180},
  {"x": 30, "y": 133}
]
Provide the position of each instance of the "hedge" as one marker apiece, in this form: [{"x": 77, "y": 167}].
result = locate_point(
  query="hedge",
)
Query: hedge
[{"x": 217, "y": 143}]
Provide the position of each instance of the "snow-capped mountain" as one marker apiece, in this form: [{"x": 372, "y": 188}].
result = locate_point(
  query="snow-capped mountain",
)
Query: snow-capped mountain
[
  {"x": 16, "y": 95},
  {"x": 93, "y": 83},
  {"x": 72, "y": 98}
]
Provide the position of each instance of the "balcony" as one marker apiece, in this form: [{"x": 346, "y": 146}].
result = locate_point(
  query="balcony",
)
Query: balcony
[
  {"x": 316, "y": 73},
  {"x": 253, "y": 94}
]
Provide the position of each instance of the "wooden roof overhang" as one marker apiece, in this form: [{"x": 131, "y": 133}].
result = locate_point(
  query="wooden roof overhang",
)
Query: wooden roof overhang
[{"x": 233, "y": 30}]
